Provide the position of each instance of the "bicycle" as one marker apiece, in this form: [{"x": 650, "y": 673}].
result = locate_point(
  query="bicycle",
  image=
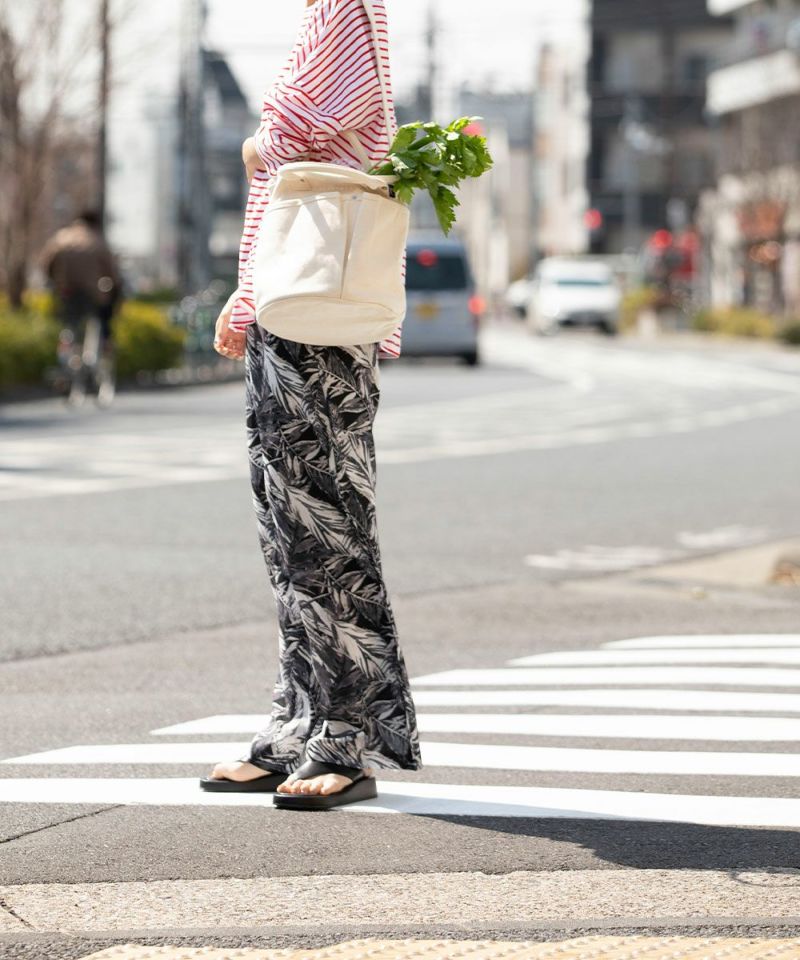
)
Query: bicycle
[{"x": 86, "y": 363}]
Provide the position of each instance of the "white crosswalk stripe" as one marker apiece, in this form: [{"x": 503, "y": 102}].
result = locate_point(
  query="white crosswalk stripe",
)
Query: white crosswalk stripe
[
  {"x": 750, "y": 641},
  {"x": 572, "y": 676},
  {"x": 787, "y": 655},
  {"x": 699, "y": 718},
  {"x": 464, "y": 755},
  {"x": 574, "y": 405},
  {"x": 656, "y": 727},
  {"x": 433, "y": 799}
]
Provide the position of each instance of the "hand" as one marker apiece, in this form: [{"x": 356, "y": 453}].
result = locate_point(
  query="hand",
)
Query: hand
[
  {"x": 227, "y": 342},
  {"x": 250, "y": 158}
]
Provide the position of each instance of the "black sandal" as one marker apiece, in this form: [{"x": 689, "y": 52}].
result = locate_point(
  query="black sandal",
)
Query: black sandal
[
  {"x": 269, "y": 783},
  {"x": 361, "y": 787}
]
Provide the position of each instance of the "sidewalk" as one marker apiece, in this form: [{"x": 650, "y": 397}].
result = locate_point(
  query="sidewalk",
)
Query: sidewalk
[{"x": 583, "y": 948}]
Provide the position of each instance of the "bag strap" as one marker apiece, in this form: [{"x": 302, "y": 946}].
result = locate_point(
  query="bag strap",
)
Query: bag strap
[{"x": 351, "y": 135}]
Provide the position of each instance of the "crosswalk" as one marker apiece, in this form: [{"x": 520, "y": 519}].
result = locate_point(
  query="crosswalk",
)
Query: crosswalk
[
  {"x": 645, "y": 713},
  {"x": 585, "y": 394}
]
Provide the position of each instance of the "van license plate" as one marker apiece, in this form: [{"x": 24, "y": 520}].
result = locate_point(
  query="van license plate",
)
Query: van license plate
[{"x": 427, "y": 311}]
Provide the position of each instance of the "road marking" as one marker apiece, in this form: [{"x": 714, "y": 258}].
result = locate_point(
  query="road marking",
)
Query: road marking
[
  {"x": 720, "y": 537},
  {"x": 595, "y": 558},
  {"x": 731, "y": 729},
  {"x": 86, "y": 463},
  {"x": 569, "y": 760},
  {"x": 489, "y": 800},
  {"x": 704, "y": 701},
  {"x": 730, "y": 641},
  {"x": 432, "y": 799},
  {"x": 468, "y": 755},
  {"x": 219, "y": 723},
  {"x": 569, "y": 676},
  {"x": 754, "y": 655},
  {"x": 711, "y": 392},
  {"x": 590, "y": 725},
  {"x": 632, "y": 430}
]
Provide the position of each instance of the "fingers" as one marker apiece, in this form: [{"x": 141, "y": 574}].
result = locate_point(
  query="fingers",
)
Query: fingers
[
  {"x": 230, "y": 345},
  {"x": 230, "y": 352}
]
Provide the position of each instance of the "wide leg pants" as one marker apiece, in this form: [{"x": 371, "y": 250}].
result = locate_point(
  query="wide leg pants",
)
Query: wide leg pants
[{"x": 342, "y": 694}]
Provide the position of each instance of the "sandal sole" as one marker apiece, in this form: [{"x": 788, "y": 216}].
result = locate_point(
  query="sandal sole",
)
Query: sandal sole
[
  {"x": 267, "y": 784},
  {"x": 365, "y": 789}
]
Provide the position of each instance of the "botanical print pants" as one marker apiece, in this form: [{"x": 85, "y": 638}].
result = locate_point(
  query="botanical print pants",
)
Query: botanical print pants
[{"x": 342, "y": 694}]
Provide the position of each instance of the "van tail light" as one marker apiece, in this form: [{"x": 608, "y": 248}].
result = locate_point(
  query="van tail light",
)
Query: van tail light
[{"x": 477, "y": 305}]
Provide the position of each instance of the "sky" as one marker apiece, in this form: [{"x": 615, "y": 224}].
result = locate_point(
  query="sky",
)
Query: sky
[{"x": 481, "y": 41}]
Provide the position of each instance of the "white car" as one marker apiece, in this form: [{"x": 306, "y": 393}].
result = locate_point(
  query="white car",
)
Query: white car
[{"x": 572, "y": 292}]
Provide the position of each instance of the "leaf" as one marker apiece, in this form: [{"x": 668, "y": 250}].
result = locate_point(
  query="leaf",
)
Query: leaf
[
  {"x": 427, "y": 156},
  {"x": 406, "y": 135},
  {"x": 445, "y": 203}
]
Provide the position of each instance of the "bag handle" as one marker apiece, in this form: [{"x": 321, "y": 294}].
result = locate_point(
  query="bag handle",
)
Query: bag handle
[
  {"x": 302, "y": 170},
  {"x": 355, "y": 142}
]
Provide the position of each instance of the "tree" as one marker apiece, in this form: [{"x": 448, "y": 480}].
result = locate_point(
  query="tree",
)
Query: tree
[{"x": 39, "y": 71}]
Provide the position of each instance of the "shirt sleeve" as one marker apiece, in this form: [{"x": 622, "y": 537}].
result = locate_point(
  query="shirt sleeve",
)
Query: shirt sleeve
[{"x": 333, "y": 88}]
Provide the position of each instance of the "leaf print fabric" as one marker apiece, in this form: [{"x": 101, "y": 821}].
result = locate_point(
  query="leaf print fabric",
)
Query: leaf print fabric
[{"x": 342, "y": 693}]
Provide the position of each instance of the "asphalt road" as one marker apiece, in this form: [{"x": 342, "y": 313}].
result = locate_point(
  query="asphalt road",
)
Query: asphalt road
[{"x": 516, "y": 502}]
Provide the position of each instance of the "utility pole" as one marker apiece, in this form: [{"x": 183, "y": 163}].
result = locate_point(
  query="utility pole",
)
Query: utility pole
[
  {"x": 193, "y": 205},
  {"x": 103, "y": 96},
  {"x": 430, "y": 103}
]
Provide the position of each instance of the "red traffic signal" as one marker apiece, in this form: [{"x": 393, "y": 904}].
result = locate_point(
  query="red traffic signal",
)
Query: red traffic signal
[
  {"x": 661, "y": 240},
  {"x": 593, "y": 219}
]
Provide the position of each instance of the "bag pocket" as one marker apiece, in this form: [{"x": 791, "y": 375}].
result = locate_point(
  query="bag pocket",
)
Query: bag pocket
[{"x": 301, "y": 249}]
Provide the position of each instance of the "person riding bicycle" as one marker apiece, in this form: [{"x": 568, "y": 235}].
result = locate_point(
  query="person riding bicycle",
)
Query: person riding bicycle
[{"x": 84, "y": 274}]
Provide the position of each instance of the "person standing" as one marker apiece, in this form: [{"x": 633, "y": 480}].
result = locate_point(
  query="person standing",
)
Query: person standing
[{"x": 342, "y": 705}]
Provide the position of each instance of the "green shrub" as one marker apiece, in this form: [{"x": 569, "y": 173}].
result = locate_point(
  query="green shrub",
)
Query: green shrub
[
  {"x": 634, "y": 302},
  {"x": 27, "y": 347},
  {"x": 790, "y": 333},
  {"x": 736, "y": 322},
  {"x": 146, "y": 340}
]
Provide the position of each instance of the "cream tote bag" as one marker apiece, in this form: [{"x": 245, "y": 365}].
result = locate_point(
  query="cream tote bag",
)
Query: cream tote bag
[{"x": 328, "y": 261}]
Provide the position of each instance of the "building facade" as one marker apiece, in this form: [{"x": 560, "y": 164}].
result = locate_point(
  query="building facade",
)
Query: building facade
[
  {"x": 651, "y": 147},
  {"x": 751, "y": 219},
  {"x": 561, "y": 148}
]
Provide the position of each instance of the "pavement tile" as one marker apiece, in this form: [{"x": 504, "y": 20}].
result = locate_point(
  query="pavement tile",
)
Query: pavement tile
[
  {"x": 584, "y": 948},
  {"x": 318, "y": 901}
]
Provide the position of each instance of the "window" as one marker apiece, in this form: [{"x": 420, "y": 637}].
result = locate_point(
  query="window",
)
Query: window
[
  {"x": 426, "y": 269},
  {"x": 694, "y": 70}
]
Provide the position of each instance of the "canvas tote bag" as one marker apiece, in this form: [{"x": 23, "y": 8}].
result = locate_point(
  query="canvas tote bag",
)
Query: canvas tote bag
[{"x": 328, "y": 261}]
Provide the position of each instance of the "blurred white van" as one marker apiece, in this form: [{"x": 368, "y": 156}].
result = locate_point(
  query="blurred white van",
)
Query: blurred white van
[{"x": 573, "y": 292}]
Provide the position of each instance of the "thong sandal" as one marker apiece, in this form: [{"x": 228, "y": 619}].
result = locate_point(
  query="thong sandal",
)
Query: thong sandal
[
  {"x": 361, "y": 787},
  {"x": 269, "y": 783}
]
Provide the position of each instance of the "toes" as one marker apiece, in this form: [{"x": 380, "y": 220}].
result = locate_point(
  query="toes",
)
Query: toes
[{"x": 333, "y": 784}]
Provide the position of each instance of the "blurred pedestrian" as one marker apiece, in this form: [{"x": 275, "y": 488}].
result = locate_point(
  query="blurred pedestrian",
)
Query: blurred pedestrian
[
  {"x": 342, "y": 705},
  {"x": 84, "y": 276}
]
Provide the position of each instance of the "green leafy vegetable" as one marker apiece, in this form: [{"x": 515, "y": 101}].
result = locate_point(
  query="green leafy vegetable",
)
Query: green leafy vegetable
[{"x": 426, "y": 156}]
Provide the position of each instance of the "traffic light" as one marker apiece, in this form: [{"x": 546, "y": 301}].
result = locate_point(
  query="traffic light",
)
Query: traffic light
[{"x": 593, "y": 220}]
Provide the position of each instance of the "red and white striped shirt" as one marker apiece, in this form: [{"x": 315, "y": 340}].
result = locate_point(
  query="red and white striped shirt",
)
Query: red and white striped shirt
[{"x": 329, "y": 84}]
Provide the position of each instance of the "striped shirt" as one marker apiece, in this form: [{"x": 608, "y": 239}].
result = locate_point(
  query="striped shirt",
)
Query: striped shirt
[{"x": 328, "y": 84}]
